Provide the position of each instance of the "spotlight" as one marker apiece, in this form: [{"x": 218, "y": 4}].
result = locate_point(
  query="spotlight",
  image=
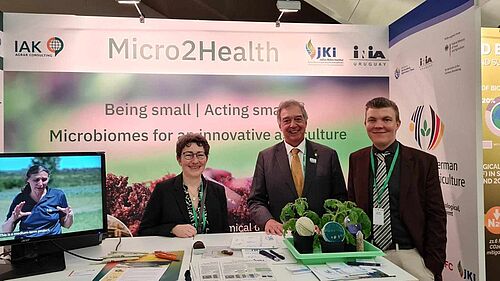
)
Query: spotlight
[
  {"x": 135, "y": 3},
  {"x": 131, "y": 2},
  {"x": 287, "y": 6}
]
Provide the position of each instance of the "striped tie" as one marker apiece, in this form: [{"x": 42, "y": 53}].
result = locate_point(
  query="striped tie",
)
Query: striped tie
[{"x": 382, "y": 235}]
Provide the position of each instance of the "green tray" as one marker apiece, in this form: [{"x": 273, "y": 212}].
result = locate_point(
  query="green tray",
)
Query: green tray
[{"x": 317, "y": 257}]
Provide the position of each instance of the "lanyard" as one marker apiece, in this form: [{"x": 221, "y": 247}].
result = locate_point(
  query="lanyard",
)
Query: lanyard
[
  {"x": 389, "y": 174},
  {"x": 202, "y": 211}
]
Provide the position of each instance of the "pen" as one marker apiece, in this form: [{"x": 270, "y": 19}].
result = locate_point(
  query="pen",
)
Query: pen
[
  {"x": 357, "y": 263},
  {"x": 276, "y": 254},
  {"x": 266, "y": 254}
]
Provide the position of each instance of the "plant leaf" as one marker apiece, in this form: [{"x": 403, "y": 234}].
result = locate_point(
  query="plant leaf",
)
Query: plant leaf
[
  {"x": 289, "y": 225},
  {"x": 287, "y": 212},
  {"x": 301, "y": 206},
  {"x": 313, "y": 216}
]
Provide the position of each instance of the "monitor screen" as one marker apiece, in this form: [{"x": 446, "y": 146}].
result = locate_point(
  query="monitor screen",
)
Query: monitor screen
[{"x": 52, "y": 197}]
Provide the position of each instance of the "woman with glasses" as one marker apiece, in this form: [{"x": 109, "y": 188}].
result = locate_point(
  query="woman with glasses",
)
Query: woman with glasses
[{"x": 188, "y": 203}]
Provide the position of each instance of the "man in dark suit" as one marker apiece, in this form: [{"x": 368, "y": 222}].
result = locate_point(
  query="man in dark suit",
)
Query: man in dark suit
[
  {"x": 411, "y": 225},
  {"x": 294, "y": 168}
]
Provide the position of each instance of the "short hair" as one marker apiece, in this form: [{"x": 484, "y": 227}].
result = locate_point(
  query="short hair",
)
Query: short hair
[
  {"x": 288, "y": 103},
  {"x": 382, "y": 102},
  {"x": 187, "y": 139}
]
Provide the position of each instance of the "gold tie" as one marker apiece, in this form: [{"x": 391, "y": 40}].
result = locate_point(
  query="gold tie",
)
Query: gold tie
[{"x": 298, "y": 177}]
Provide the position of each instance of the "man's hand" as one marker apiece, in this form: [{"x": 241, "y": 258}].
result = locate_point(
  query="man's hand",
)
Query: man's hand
[
  {"x": 184, "y": 230},
  {"x": 273, "y": 227}
]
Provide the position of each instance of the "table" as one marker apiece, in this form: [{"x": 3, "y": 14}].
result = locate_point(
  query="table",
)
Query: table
[
  {"x": 280, "y": 271},
  {"x": 147, "y": 244},
  {"x": 153, "y": 243}
]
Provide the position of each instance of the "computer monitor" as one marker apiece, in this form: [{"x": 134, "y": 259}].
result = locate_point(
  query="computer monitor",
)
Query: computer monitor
[{"x": 49, "y": 202}]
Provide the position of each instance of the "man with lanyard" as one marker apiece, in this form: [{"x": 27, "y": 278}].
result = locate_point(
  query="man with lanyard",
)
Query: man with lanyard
[{"x": 399, "y": 188}]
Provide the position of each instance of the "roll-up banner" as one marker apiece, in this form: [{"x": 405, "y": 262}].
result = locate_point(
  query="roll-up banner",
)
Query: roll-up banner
[
  {"x": 490, "y": 61},
  {"x": 435, "y": 73}
]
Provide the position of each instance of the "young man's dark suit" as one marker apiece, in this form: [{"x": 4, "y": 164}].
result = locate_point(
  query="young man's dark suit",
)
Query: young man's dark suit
[
  {"x": 421, "y": 204},
  {"x": 273, "y": 186}
]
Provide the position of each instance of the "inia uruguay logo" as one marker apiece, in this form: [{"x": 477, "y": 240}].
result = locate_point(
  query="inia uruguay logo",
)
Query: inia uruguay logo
[
  {"x": 34, "y": 48},
  {"x": 371, "y": 53},
  {"x": 368, "y": 57},
  {"x": 320, "y": 52},
  {"x": 427, "y": 127},
  {"x": 425, "y": 62}
]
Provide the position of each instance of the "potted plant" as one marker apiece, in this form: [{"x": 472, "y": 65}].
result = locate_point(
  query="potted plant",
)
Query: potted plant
[
  {"x": 350, "y": 217},
  {"x": 299, "y": 211}
]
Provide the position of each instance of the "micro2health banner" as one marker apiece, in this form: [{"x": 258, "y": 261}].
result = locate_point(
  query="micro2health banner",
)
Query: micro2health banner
[{"x": 130, "y": 89}]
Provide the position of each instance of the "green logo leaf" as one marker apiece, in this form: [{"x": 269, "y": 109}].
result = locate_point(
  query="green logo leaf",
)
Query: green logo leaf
[{"x": 425, "y": 131}]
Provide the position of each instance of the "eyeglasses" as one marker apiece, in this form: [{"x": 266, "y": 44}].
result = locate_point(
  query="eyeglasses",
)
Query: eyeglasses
[{"x": 190, "y": 155}]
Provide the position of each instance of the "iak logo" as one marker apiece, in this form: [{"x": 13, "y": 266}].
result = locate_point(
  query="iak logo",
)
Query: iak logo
[
  {"x": 427, "y": 127},
  {"x": 55, "y": 45},
  {"x": 425, "y": 62},
  {"x": 370, "y": 53},
  {"x": 466, "y": 274},
  {"x": 51, "y": 48}
]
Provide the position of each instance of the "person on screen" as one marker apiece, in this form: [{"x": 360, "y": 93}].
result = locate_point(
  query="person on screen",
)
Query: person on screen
[
  {"x": 188, "y": 203},
  {"x": 294, "y": 168},
  {"x": 41, "y": 210},
  {"x": 404, "y": 199}
]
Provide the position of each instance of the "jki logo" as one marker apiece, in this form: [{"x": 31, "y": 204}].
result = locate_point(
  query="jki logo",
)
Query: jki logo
[
  {"x": 466, "y": 274},
  {"x": 326, "y": 52},
  {"x": 367, "y": 54},
  {"x": 27, "y": 46}
]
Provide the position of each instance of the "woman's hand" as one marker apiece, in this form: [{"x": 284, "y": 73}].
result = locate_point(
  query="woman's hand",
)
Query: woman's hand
[
  {"x": 184, "y": 230},
  {"x": 17, "y": 213},
  {"x": 67, "y": 220}
]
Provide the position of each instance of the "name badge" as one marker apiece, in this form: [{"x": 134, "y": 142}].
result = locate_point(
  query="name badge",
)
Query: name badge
[{"x": 378, "y": 216}]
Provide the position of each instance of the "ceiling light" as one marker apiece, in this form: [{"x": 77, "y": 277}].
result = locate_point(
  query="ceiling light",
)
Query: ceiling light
[
  {"x": 135, "y": 3},
  {"x": 286, "y": 6},
  {"x": 131, "y": 2}
]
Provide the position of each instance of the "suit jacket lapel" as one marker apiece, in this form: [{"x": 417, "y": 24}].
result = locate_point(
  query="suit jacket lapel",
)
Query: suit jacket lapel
[
  {"x": 310, "y": 173},
  {"x": 407, "y": 174},
  {"x": 180, "y": 197},
  {"x": 284, "y": 171},
  {"x": 363, "y": 177}
]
